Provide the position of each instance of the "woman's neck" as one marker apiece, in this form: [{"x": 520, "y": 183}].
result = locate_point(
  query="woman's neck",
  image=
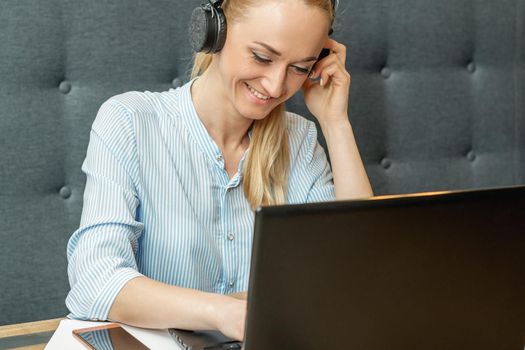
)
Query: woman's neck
[{"x": 224, "y": 124}]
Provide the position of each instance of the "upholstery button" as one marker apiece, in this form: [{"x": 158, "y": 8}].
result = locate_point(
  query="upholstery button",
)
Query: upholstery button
[
  {"x": 471, "y": 156},
  {"x": 64, "y": 87},
  {"x": 65, "y": 192},
  {"x": 385, "y": 72},
  {"x": 471, "y": 67},
  {"x": 177, "y": 82},
  {"x": 385, "y": 163}
]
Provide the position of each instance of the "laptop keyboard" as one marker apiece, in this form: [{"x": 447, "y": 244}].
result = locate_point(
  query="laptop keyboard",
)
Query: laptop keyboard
[{"x": 225, "y": 346}]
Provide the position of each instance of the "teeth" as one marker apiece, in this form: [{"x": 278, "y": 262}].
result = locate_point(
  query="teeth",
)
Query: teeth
[{"x": 257, "y": 93}]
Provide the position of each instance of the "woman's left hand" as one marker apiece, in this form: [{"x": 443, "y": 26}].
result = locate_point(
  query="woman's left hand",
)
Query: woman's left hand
[{"x": 327, "y": 99}]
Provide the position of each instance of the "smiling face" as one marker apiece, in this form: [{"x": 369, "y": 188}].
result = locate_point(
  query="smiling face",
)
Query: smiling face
[{"x": 268, "y": 54}]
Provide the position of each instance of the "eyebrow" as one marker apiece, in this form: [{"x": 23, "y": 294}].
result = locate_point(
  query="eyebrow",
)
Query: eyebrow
[{"x": 277, "y": 53}]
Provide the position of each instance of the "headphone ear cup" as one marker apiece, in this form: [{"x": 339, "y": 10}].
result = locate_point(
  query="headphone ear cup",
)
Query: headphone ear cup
[
  {"x": 199, "y": 28},
  {"x": 207, "y": 29}
]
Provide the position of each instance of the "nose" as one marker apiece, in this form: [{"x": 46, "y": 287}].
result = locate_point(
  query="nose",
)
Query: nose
[{"x": 275, "y": 81}]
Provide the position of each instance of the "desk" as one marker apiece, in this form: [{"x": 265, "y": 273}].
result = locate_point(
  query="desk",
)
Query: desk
[
  {"x": 28, "y": 336},
  {"x": 37, "y": 335}
]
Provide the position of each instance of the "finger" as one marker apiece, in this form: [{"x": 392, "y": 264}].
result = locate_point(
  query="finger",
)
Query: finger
[
  {"x": 328, "y": 60},
  {"x": 321, "y": 66},
  {"x": 311, "y": 83},
  {"x": 337, "y": 48},
  {"x": 308, "y": 83},
  {"x": 334, "y": 73},
  {"x": 325, "y": 62}
]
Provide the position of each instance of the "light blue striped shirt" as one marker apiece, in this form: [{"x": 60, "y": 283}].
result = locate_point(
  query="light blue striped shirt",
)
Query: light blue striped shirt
[{"x": 159, "y": 203}]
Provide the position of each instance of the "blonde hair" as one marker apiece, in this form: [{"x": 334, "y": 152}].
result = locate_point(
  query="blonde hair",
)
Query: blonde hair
[{"x": 266, "y": 167}]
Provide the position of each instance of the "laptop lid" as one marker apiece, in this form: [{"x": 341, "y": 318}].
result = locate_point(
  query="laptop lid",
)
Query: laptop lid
[{"x": 430, "y": 271}]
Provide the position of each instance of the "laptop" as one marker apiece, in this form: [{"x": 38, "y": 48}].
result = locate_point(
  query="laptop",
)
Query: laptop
[{"x": 426, "y": 271}]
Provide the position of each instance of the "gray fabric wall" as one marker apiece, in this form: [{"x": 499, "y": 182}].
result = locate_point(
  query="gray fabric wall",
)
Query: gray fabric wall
[{"x": 437, "y": 102}]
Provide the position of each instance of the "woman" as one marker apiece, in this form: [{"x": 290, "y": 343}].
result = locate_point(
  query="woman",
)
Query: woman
[{"x": 173, "y": 177}]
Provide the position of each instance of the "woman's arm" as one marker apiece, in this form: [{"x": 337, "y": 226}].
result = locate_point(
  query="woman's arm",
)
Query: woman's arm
[
  {"x": 105, "y": 281},
  {"x": 239, "y": 295},
  {"x": 328, "y": 102},
  {"x": 350, "y": 179},
  {"x": 147, "y": 303}
]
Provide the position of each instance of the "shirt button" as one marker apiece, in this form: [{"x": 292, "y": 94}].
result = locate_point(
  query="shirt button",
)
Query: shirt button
[
  {"x": 231, "y": 284},
  {"x": 230, "y": 236},
  {"x": 219, "y": 157}
]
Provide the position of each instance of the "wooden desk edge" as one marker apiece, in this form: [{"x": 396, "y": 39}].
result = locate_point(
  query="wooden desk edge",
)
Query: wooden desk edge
[{"x": 17, "y": 329}]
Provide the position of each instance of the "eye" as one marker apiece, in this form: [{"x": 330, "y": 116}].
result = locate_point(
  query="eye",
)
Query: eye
[
  {"x": 260, "y": 59},
  {"x": 301, "y": 70}
]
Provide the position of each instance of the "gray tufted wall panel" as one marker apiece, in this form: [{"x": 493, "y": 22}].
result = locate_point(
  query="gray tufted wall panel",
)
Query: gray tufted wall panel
[
  {"x": 437, "y": 102},
  {"x": 59, "y": 60},
  {"x": 437, "y": 91},
  {"x": 519, "y": 91}
]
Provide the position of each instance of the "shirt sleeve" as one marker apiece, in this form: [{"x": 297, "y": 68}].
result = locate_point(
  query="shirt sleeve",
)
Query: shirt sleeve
[
  {"x": 311, "y": 177},
  {"x": 322, "y": 184},
  {"x": 101, "y": 253}
]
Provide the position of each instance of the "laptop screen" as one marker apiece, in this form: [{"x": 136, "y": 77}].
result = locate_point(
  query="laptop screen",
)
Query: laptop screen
[{"x": 432, "y": 271}]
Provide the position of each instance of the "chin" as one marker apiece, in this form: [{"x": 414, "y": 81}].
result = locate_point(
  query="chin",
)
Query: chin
[
  {"x": 251, "y": 107},
  {"x": 253, "y": 114}
]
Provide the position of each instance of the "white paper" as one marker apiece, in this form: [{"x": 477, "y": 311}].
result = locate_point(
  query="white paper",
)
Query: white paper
[{"x": 152, "y": 338}]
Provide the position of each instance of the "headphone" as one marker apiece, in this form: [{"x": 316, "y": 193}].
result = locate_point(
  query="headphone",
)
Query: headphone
[{"x": 208, "y": 26}]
